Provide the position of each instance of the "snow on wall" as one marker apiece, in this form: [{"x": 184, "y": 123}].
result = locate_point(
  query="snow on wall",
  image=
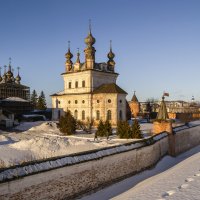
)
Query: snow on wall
[
  {"x": 72, "y": 175},
  {"x": 187, "y": 126}
]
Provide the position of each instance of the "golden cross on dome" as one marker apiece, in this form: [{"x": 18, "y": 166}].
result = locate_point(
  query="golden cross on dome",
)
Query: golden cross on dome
[
  {"x": 111, "y": 45},
  {"x": 18, "y": 68},
  {"x": 90, "y": 26},
  {"x": 68, "y": 44},
  {"x": 10, "y": 59}
]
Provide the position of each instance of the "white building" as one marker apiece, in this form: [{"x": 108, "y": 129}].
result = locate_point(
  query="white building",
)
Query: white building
[{"x": 90, "y": 89}]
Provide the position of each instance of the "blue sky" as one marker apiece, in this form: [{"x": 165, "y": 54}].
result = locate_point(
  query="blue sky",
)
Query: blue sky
[{"x": 156, "y": 42}]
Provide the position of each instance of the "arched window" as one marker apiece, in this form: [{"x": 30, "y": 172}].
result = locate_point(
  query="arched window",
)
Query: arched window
[
  {"x": 83, "y": 83},
  {"x": 109, "y": 115},
  {"x": 83, "y": 115},
  {"x": 76, "y": 114},
  {"x": 120, "y": 115},
  {"x": 76, "y": 84},
  {"x": 98, "y": 115},
  {"x": 70, "y": 84}
]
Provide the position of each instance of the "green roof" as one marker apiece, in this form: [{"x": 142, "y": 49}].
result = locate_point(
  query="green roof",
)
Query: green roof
[{"x": 109, "y": 88}]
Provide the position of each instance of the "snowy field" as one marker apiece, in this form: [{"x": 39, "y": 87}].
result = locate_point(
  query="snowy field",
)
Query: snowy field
[
  {"x": 172, "y": 178},
  {"x": 38, "y": 140}
]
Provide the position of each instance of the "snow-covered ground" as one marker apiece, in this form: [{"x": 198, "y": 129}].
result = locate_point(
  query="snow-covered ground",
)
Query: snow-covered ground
[
  {"x": 37, "y": 140},
  {"x": 172, "y": 178}
]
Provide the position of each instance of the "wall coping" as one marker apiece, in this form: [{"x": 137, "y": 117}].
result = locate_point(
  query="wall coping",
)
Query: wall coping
[{"x": 183, "y": 127}]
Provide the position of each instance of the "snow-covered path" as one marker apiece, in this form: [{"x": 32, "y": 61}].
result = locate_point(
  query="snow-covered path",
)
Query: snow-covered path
[{"x": 172, "y": 178}]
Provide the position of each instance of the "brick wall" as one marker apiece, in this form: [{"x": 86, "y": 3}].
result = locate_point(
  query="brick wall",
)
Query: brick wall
[{"x": 162, "y": 126}]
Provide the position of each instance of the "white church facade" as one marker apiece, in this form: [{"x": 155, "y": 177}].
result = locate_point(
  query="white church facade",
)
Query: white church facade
[{"x": 90, "y": 89}]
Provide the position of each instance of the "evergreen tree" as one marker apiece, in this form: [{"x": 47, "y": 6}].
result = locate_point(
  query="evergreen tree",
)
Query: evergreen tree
[
  {"x": 100, "y": 129},
  {"x": 123, "y": 129},
  {"x": 104, "y": 129},
  {"x": 34, "y": 99},
  {"x": 41, "y": 104},
  {"x": 107, "y": 128},
  {"x": 67, "y": 124},
  {"x": 135, "y": 129}
]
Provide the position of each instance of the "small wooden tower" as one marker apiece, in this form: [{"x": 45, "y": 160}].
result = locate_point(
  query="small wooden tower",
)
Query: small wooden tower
[
  {"x": 134, "y": 106},
  {"x": 162, "y": 122}
]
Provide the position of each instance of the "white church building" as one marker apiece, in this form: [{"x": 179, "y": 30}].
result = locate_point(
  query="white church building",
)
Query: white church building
[{"x": 90, "y": 89}]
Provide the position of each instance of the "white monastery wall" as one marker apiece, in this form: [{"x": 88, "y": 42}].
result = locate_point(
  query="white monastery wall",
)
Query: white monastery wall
[
  {"x": 186, "y": 139},
  {"x": 100, "y": 168},
  {"x": 70, "y": 181}
]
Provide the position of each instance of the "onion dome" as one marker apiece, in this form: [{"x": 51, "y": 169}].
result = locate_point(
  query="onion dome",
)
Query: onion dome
[
  {"x": 18, "y": 77},
  {"x": 9, "y": 74},
  {"x": 90, "y": 40},
  {"x": 68, "y": 55},
  {"x": 111, "y": 56}
]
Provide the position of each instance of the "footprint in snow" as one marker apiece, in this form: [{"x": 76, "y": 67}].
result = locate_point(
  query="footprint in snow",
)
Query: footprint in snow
[
  {"x": 198, "y": 174},
  {"x": 183, "y": 186},
  {"x": 160, "y": 199},
  {"x": 169, "y": 193},
  {"x": 189, "y": 179}
]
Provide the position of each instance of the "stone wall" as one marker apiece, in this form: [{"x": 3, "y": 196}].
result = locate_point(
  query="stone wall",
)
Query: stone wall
[
  {"x": 70, "y": 181},
  {"x": 186, "y": 139},
  {"x": 69, "y": 177}
]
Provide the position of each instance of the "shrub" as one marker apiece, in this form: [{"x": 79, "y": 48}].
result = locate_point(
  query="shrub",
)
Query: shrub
[
  {"x": 135, "y": 129},
  {"x": 123, "y": 129},
  {"x": 67, "y": 124},
  {"x": 104, "y": 129},
  {"x": 107, "y": 128},
  {"x": 100, "y": 129}
]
